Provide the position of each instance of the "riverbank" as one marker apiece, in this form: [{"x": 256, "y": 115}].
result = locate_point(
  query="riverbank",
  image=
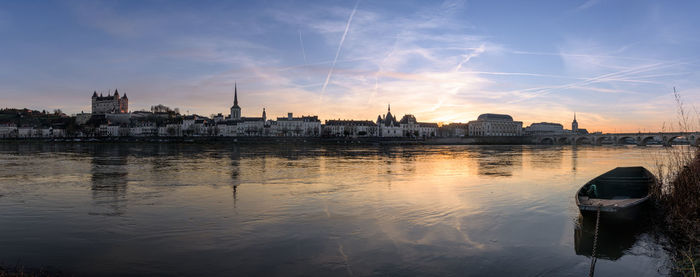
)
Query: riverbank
[
  {"x": 291, "y": 140},
  {"x": 677, "y": 214}
]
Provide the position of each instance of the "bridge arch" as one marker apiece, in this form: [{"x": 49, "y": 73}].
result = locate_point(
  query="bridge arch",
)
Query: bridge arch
[
  {"x": 668, "y": 140},
  {"x": 583, "y": 140},
  {"x": 546, "y": 140},
  {"x": 563, "y": 140},
  {"x": 642, "y": 141},
  {"x": 599, "y": 140},
  {"x": 623, "y": 139}
]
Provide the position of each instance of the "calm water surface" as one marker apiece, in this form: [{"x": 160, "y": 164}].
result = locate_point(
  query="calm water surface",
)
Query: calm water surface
[{"x": 102, "y": 209}]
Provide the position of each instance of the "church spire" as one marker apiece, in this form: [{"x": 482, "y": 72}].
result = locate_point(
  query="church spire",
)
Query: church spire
[
  {"x": 235, "y": 95},
  {"x": 574, "y": 125},
  {"x": 389, "y": 108},
  {"x": 235, "y": 110}
]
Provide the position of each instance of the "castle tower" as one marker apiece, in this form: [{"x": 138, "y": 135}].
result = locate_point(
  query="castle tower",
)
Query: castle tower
[
  {"x": 264, "y": 115},
  {"x": 124, "y": 104},
  {"x": 235, "y": 109},
  {"x": 109, "y": 104},
  {"x": 574, "y": 125}
]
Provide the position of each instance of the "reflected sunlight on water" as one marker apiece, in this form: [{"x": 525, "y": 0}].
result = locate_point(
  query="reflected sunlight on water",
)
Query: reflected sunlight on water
[{"x": 122, "y": 209}]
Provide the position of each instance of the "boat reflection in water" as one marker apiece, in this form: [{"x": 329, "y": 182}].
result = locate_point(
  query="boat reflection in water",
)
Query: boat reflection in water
[{"x": 614, "y": 240}]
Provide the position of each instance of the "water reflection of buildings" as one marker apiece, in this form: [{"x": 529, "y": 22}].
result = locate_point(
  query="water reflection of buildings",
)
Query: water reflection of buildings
[
  {"x": 109, "y": 179},
  {"x": 574, "y": 158},
  {"x": 235, "y": 155},
  {"x": 498, "y": 161},
  {"x": 545, "y": 158}
]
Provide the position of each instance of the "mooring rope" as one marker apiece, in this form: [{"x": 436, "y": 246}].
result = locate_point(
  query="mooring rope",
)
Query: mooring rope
[{"x": 595, "y": 243}]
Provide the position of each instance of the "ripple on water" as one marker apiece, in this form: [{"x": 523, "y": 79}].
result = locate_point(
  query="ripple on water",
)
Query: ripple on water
[{"x": 151, "y": 209}]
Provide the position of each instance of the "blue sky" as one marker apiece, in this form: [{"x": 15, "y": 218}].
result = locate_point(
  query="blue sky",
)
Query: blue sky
[{"x": 614, "y": 63}]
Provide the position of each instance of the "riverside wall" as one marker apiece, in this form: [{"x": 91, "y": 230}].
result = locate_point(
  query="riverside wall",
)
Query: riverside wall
[{"x": 288, "y": 140}]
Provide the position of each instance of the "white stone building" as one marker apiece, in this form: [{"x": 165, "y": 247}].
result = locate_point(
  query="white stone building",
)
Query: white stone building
[
  {"x": 413, "y": 128},
  {"x": 58, "y": 132},
  {"x": 194, "y": 125},
  {"x": 26, "y": 132},
  {"x": 389, "y": 126},
  {"x": 45, "y": 132},
  {"x": 453, "y": 130},
  {"x": 227, "y": 129},
  {"x": 490, "y": 125},
  {"x": 250, "y": 126},
  {"x": 350, "y": 128},
  {"x": 427, "y": 129},
  {"x": 408, "y": 126},
  {"x": 305, "y": 126},
  {"x": 170, "y": 130},
  {"x": 144, "y": 129},
  {"x": 544, "y": 128},
  {"x": 8, "y": 130},
  {"x": 116, "y": 130}
]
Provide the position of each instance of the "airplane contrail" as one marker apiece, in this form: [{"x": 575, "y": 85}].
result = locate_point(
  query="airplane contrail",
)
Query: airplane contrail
[
  {"x": 337, "y": 52},
  {"x": 597, "y": 79},
  {"x": 303, "y": 51}
]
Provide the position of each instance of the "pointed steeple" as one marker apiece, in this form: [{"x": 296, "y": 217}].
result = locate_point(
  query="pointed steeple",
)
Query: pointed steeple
[
  {"x": 389, "y": 118},
  {"x": 116, "y": 93},
  {"x": 235, "y": 109},
  {"x": 574, "y": 116},
  {"x": 124, "y": 96},
  {"x": 235, "y": 94},
  {"x": 264, "y": 115},
  {"x": 94, "y": 94}
]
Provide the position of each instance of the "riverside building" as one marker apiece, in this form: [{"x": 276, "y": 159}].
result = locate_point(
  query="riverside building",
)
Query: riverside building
[
  {"x": 388, "y": 125},
  {"x": 305, "y": 126},
  {"x": 408, "y": 126},
  {"x": 492, "y": 125},
  {"x": 349, "y": 128},
  {"x": 544, "y": 128}
]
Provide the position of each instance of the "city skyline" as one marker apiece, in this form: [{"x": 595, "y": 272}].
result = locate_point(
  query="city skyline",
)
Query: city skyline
[{"x": 613, "y": 63}]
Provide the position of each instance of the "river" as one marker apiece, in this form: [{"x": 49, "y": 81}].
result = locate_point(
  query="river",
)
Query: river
[{"x": 226, "y": 210}]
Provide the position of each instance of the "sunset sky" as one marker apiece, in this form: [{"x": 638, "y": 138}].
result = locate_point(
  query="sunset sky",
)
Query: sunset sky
[{"x": 614, "y": 63}]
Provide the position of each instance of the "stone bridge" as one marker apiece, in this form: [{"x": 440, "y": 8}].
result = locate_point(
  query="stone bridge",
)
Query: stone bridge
[{"x": 640, "y": 139}]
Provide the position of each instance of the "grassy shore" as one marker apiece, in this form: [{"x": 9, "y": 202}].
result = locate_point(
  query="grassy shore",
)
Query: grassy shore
[
  {"x": 677, "y": 209},
  {"x": 677, "y": 200}
]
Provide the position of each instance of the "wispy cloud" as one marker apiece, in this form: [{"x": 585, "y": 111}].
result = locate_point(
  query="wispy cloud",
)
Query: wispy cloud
[
  {"x": 443, "y": 61},
  {"x": 588, "y": 4}
]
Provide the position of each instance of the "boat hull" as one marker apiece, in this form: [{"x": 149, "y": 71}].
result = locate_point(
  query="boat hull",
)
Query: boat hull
[
  {"x": 619, "y": 194},
  {"x": 617, "y": 213}
]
